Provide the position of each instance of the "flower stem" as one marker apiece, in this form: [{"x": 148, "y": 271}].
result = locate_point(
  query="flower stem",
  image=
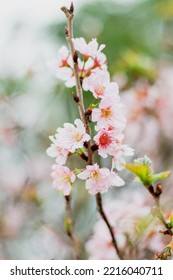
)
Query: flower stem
[
  {"x": 69, "y": 224},
  {"x": 157, "y": 210},
  {"x": 69, "y": 35}
]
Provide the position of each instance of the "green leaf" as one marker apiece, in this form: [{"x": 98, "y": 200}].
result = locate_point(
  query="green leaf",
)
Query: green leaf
[
  {"x": 80, "y": 151},
  {"x": 93, "y": 106},
  {"x": 76, "y": 171},
  {"x": 159, "y": 176},
  {"x": 143, "y": 171}
]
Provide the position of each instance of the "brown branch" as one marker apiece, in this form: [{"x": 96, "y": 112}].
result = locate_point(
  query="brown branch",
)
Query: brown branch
[
  {"x": 79, "y": 101},
  {"x": 69, "y": 225},
  {"x": 103, "y": 215},
  {"x": 69, "y": 35}
]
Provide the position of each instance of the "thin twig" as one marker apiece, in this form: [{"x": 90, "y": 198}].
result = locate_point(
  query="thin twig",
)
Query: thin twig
[
  {"x": 69, "y": 225},
  {"x": 79, "y": 93},
  {"x": 102, "y": 213},
  {"x": 157, "y": 210},
  {"x": 69, "y": 35}
]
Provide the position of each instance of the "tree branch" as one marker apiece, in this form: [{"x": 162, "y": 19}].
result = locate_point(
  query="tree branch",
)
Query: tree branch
[
  {"x": 103, "y": 215},
  {"x": 69, "y": 35},
  {"x": 69, "y": 225}
]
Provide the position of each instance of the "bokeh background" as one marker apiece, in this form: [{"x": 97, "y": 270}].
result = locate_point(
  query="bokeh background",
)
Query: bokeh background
[{"x": 33, "y": 103}]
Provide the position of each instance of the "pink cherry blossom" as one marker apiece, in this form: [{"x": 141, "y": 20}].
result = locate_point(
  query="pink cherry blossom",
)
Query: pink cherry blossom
[
  {"x": 109, "y": 113},
  {"x": 97, "y": 82},
  {"x": 121, "y": 151},
  {"x": 62, "y": 178},
  {"x": 64, "y": 67},
  {"x": 90, "y": 60},
  {"x": 100, "y": 245},
  {"x": 85, "y": 68},
  {"x": 91, "y": 49},
  {"x": 99, "y": 179},
  {"x": 111, "y": 143},
  {"x": 70, "y": 137},
  {"x": 106, "y": 141},
  {"x": 58, "y": 152}
]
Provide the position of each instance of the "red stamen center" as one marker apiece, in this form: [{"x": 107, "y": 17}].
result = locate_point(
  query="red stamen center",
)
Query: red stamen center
[{"x": 105, "y": 139}]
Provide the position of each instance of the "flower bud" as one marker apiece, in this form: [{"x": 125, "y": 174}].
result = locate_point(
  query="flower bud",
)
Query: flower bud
[
  {"x": 88, "y": 112},
  {"x": 158, "y": 190},
  {"x": 75, "y": 57},
  {"x": 94, "y": 147},
  {"x": 75, "y": 97},
  {"x": 66, "y": 31},
  {"x": 71, "y": 8}
]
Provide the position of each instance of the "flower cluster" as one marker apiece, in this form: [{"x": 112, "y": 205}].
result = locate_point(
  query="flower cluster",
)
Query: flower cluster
[
  {"x": 66, "y": 141},
  {"x": 106, "y": 113},
  {"x": 99, "y": 179},
  {"x": 91, "y": 60}
]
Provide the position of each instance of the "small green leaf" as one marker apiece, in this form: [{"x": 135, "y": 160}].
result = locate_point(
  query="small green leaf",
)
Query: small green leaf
[
  {"x": 93, "y": 106},
  {"x": 80, "y": 151},
  {"x": 170, "y": 225},
  {"x": 143, "y": 161},
  {"x": 76, "y": 171},
  {"x": 159, "y": 176},
  {"x": 144, "y": 172}
]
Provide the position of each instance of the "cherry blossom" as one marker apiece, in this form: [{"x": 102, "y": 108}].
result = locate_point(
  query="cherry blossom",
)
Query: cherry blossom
[
  {"x": 91, "y": 49},
  {"x": 99, "y": 84},
  {"x": 90, "y": 60},
  {"x": 70, "y": 137},
  {"x": 62, "y": 178},
  {"x": 121, "y": 151},
  {"x": 58, "y": 152},
  {"x": 107, "y": 141},
  {"x": 109, "y": 113},
  {"x": 99, "y": 179},
  {"x": 64, "y": 64},
  {"x": 111, "y": 143}
]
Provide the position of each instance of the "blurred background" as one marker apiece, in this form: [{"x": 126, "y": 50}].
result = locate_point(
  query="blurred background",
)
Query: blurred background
[{"x": 139, "y": 46}]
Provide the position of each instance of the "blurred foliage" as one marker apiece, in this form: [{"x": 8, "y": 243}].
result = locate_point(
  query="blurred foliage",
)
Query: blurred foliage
[{"x": 10, "y": 86}]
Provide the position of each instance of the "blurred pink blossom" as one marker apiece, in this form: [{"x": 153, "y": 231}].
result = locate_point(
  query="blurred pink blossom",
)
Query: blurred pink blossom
[
  {"x": 130, "y": 216},
  {"x": 58, "y": 152}
]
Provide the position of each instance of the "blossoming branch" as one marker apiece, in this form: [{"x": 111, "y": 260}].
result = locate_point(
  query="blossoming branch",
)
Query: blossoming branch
[{"x": 84, "y": 66}]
